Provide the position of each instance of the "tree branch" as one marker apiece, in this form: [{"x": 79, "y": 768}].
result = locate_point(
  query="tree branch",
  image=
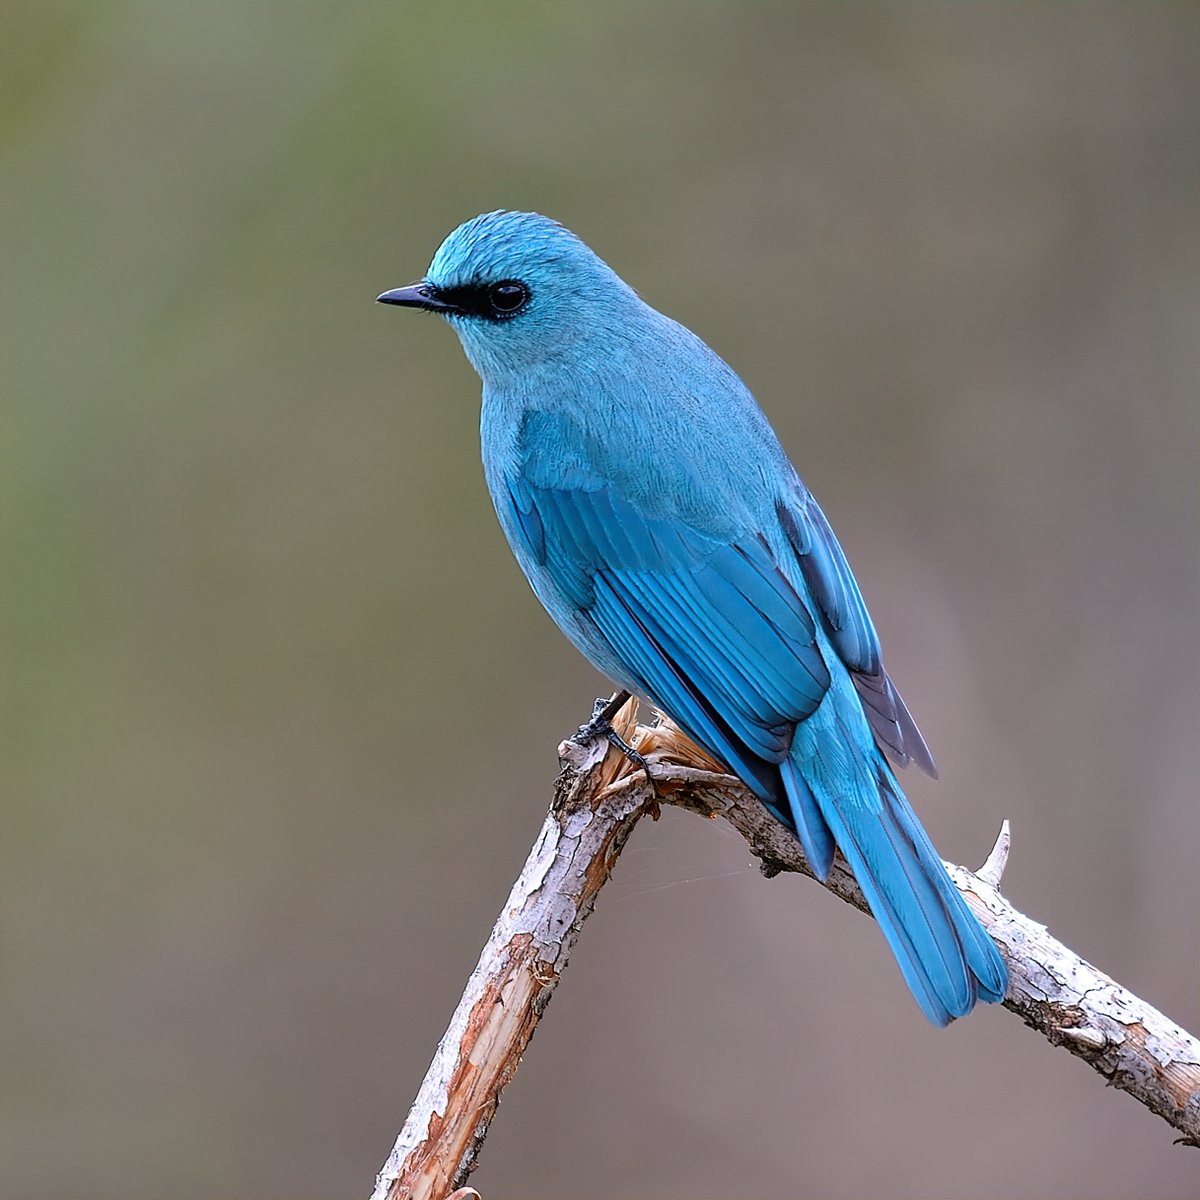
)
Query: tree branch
[{"x": 599, "y": 798}]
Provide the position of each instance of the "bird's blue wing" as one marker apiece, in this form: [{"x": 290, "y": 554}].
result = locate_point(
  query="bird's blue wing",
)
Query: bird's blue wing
[
  {"x": 850, "y": 629},
  {"x": 714, "y": 632}
]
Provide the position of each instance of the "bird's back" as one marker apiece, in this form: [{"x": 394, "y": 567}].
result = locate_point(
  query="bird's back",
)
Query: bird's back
[{"x": 648, "y": 408}]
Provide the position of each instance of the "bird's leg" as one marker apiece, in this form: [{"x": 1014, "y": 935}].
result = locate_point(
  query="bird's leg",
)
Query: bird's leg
[
  {"x": 603, "y": 712},
  {"x": 601, "y": 726}
]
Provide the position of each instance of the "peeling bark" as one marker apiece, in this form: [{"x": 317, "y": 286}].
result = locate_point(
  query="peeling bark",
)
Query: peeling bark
[
  {"x": 519, "y": 968},
  {"x": 599, "y": 798}
]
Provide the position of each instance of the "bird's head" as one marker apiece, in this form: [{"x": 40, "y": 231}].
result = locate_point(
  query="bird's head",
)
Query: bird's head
[{"x": 520, "y": 290}]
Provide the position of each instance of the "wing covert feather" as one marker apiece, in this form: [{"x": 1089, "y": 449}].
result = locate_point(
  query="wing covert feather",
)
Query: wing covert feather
[{"x": 715, "y": 632}]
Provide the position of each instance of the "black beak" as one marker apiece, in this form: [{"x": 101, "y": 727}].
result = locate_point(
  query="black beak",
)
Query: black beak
[{"x": 416, "y": 295}]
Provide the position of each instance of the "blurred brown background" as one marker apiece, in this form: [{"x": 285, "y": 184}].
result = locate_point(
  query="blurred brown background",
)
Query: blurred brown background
[{"x": 280, "y": 713}]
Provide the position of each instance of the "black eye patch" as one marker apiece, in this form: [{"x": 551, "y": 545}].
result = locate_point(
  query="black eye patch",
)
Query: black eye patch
[{"x": 490, "y": 301}]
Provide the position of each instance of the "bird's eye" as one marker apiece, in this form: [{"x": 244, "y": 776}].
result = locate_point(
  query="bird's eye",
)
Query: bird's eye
[{"x": 508, "y": 297}]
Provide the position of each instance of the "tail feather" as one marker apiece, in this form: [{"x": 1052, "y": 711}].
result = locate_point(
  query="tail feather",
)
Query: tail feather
[
  {"x": 982, "y": 957},
  {"x": 947, "y": 959},
  {"x": 811, "y": 828}
]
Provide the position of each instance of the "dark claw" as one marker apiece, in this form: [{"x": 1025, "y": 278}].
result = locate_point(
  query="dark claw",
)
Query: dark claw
[
  {"x": 603, "y": 711},
  {"x": 600, "y": 726}
]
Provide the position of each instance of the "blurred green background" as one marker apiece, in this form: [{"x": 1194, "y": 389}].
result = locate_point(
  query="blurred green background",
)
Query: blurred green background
[{"x": 280, "y": 713}]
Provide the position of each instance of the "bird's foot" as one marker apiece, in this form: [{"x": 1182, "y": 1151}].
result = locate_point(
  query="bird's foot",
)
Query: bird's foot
[{"x": 601, "y": 726}]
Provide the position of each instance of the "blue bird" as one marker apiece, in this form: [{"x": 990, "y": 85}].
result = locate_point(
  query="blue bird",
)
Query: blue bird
[{"x": 659, "y": 521}]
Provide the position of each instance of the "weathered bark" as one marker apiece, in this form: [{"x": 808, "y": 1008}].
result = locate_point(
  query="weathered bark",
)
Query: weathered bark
[
  {"x": 518, "y": 971},
  {"x": 599, "y": 798}
]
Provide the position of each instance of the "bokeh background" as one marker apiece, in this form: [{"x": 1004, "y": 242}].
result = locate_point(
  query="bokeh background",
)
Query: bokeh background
[{"x": 280, "y": 713}]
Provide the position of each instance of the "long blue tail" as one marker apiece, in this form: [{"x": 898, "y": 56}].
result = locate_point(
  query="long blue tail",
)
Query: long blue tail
[{"x": 840, "y": 793}]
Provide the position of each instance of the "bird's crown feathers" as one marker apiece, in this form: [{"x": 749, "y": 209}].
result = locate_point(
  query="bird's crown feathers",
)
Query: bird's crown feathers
[{"x": 505, "y": 244}]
